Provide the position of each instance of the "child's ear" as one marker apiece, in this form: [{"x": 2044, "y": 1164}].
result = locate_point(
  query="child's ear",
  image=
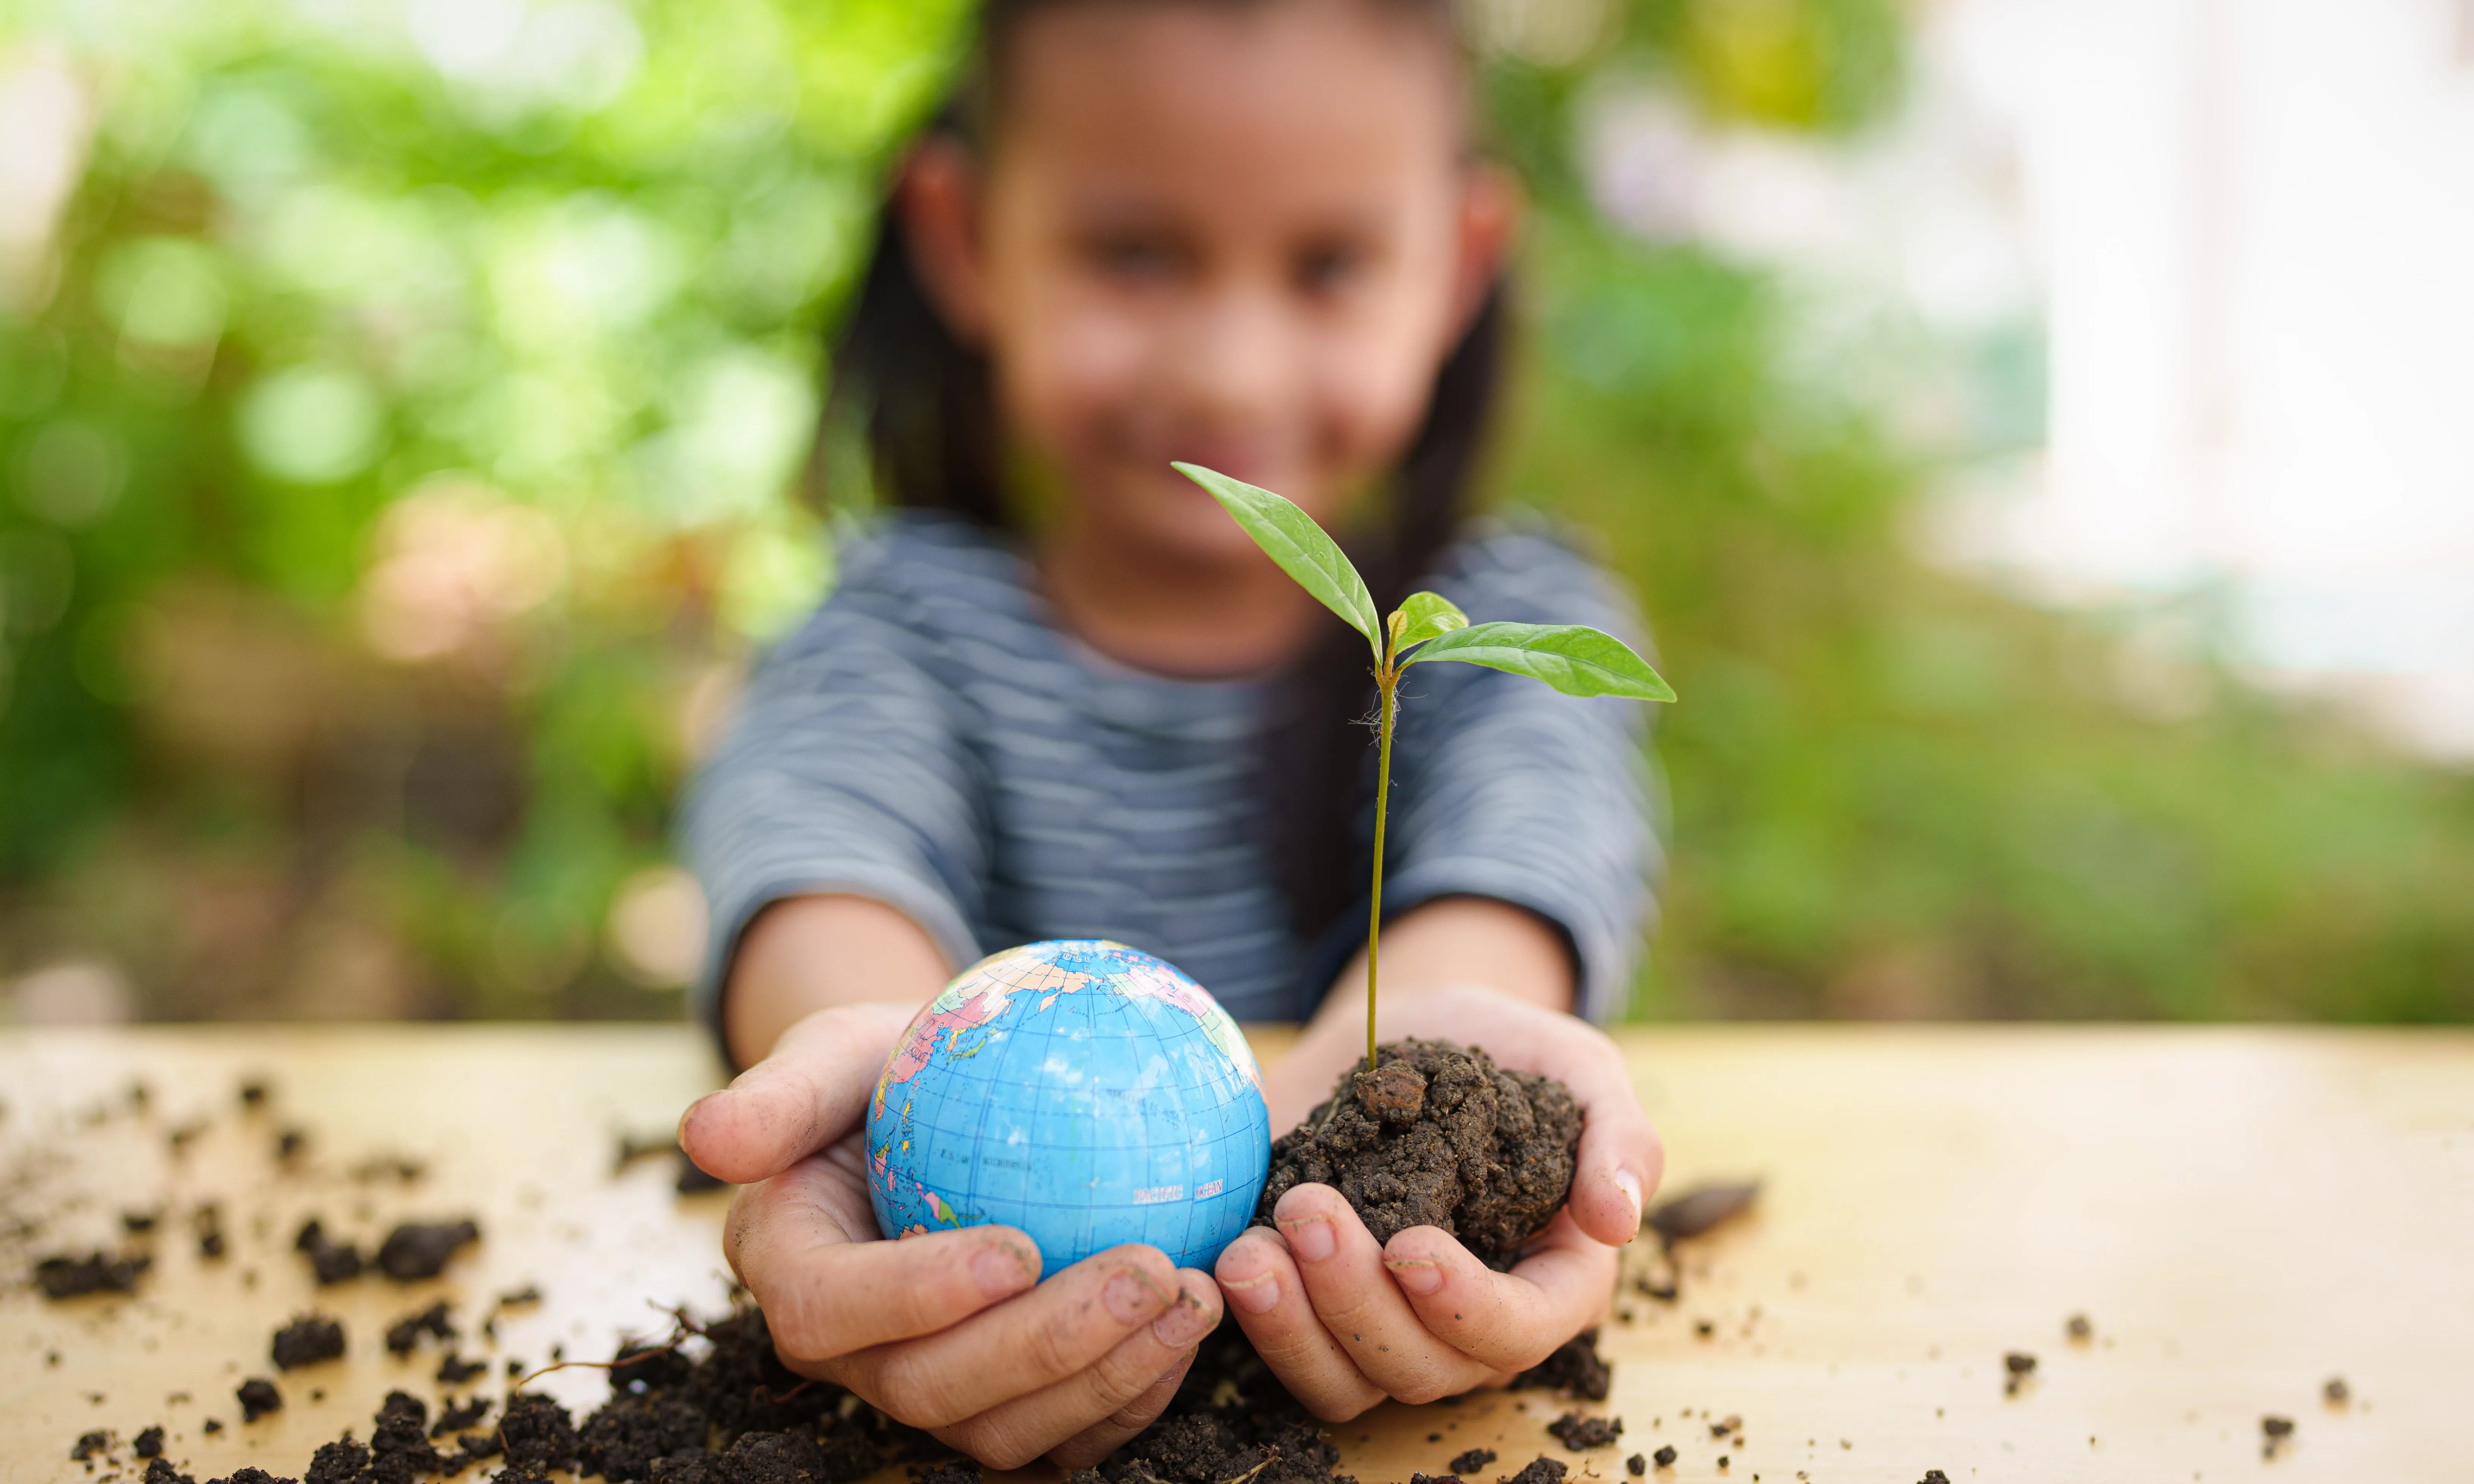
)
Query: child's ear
[
  {"x": 938, "y": 196},
  {"x": 1491, "y": 203}
]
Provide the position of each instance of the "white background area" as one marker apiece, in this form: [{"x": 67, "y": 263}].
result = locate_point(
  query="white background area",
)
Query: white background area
[{"x": 2246, "y": 230}]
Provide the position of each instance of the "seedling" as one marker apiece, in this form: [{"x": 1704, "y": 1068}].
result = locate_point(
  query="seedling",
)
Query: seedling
[{"x": 1573, "y": 658}]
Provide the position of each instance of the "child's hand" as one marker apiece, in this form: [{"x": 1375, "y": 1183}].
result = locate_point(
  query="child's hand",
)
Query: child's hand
[
  {"x": 1345, "y": 1321},
  {"x": 945, "y": 1331}
]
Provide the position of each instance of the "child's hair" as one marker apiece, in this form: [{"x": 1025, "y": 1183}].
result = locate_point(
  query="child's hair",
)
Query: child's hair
[{"x": 923, "y": 400}]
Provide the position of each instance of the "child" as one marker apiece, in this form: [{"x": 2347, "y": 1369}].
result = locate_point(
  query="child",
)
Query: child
[{"x": 1062, "y": 694}]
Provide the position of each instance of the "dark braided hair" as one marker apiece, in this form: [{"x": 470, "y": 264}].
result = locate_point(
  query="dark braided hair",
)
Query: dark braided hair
[{"x": 922, "y": 400}]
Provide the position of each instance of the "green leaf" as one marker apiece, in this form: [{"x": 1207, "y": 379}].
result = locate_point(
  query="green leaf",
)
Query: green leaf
[
  {"x": 1571, "y": 657},
  {"x": 1425, "y": 615},
  {"x": 1291, "y": 537}
]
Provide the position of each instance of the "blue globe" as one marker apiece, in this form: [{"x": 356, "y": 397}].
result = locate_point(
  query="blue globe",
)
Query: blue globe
[{"x": 1083, "y": 1091}]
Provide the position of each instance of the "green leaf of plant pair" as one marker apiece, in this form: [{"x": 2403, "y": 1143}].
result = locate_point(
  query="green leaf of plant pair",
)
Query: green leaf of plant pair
[
  {"x": 1289, "y": 537},
  {"x": 1573, "y": 658}
]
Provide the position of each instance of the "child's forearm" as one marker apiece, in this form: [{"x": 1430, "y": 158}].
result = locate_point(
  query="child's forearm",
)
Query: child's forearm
[{"x": 809, "y": 952}]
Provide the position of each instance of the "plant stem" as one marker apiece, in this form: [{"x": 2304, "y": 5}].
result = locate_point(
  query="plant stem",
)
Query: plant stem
[{"x": 1387, "y": 682}]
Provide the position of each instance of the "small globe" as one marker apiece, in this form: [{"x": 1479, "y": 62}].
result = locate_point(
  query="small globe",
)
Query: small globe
[{"x": 1081, "y": 1090}]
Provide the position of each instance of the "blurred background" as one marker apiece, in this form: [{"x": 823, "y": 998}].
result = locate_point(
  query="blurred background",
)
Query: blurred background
[{"x": 2042, "y": 436}]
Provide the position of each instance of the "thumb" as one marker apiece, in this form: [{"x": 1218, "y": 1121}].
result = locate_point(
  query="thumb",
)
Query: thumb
[
  {"x": 809, "y": 1093},
  {"x": 1621, "y": 1158}
]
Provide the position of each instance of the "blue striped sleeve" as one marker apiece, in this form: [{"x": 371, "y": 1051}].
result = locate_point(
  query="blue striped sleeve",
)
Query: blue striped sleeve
[{"x": 846, "y": 771}]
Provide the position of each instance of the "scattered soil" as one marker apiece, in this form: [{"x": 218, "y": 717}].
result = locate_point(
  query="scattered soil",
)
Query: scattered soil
[
  {"x": 2018, "y": 1366},
  {"x": 407, "y": 1332},
  {"x": 2080, "y": 1328},
  {"x": 2274, "y": 1433},
  {"x": 456, "y": 1369},
  {"x": 148, "y": 1443},
  {"x": 1472, "y": 1461},
  {"x": 2336, "y": 1392},
  {"x": 329, "y": 1260},
  {"x": 1437, "y": 1135},
  {"x": 1934, "y": 1476},
  {"x": 1665, "y": 1457},
  {"x": 89, "y": 1445},
  {"x": 1577, "y": 1432},
  {"x": 418, "y": 1250},
  {"x": 65, "y": 1276},
  {"x": 1574, "y": 1368},
  {"x": 208, "y": 1222},
  {"x": 1636, "y": 1466},
  {"x": 257, "y": 1397},
  {"x": 1541, "y": 1469},
  {"x": 307, "y": 1340}
]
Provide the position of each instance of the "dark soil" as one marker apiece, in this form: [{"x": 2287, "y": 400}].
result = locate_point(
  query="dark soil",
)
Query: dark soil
[
  {"x": 407, "y": 1332},
  {"x": 148, "y": 1443},
  {"x": 89, "y": 1445},
  {"x": 1472, "y": 1461},
  {"x": 1577, "y": 1432},
  {"x": 1541, "y": 1469},
  {"x": 329, "y": 1260},
  {"x": 456, "y": 1369},
  {"x": 257, "y": 1397},
  {"x": 159, "y": 1470},
  {"x": 2018, "y": 1366},
  {"x": 1636, "y": 1466},
  {"x": 1665, "y": 1457},
  {"x": 1438, "y": 1135},
  {"x": 65, "y": 1276},
  {"x": 1574, "y": 1368},
  {"x": 305, "y": 1341},
  {"x": 416, "y": 1250}
]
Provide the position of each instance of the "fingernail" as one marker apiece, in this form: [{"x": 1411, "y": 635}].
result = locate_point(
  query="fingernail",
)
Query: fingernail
[
  {"x": 1630, "y": 1184},
  {"x": 1000, "y": 1270},
  {"x": 1131, "y": 1296},
  {"x": 1311, "y": 1239},
  {"x": 1254, "y": 1295},
  {"x": 1182, "y": 1325},
  {"x": 1415, "y": 1275}
]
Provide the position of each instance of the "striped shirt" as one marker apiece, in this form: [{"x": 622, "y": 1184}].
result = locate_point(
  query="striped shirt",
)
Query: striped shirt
[{"x": 934, "y": 739}]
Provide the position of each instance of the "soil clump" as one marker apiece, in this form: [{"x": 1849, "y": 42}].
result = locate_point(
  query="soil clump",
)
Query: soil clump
[
  {"x": 1574, "y": 1368},
  {"x": 1438, "y": 1135},
  {"x": 1577, "y": 1432},
  {"x": 307, "y": 1340},
  {"x": 1472, "y": 1461},
  {"x": 65, "y": 1276}
]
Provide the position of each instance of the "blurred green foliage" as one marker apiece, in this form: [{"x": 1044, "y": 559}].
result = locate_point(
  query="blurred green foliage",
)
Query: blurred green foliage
[{"x": 396, "y": 438}]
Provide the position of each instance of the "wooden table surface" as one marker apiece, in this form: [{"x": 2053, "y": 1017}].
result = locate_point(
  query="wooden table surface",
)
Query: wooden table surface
[{"x": 2241, "y": 1213}]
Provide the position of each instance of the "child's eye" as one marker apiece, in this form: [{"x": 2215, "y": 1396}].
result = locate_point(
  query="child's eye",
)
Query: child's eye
[
  {"x": 1329, "y": 268},
  {"x": 1135, "y": 259}
]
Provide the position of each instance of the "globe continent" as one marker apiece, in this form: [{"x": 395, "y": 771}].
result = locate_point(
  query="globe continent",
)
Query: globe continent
[{"x": 1083, "y": 1091}]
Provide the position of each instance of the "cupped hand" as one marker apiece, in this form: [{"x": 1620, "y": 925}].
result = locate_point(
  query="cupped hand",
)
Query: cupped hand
[
  {"x": 1345, "y": 1321},
  {"x": 952, "y": 1331}
]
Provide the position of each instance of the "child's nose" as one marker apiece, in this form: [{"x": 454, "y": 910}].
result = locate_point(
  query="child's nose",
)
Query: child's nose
[{"x": 1240, "y": 364}]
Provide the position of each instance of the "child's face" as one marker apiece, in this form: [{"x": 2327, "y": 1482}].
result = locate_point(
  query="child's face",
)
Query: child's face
[{"x": 1243, "y": 235}]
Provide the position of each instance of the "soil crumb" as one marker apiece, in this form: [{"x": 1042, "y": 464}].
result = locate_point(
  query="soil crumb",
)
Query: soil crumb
[
  {"x": 2336, "y": 1392},
  {"x": 65, "y": 1276},
  {"x": 307, "y": 1340},
  {"x": 1541, "y": 1469},
  {"x": 1934, "y": 1476},
  {"x": 1472, "y": 1461},
  {"x": 1636, "y": 1466},
  {"x": 1577, "y": 1432},
  {"x": 1665, "y": 1457},
  {"x": 257, "y": 1396},
  {"x": 1438, "y": 1135},
  {"x": 2017, "y": 1366},
  {"x": 418, "y": 1250},
  {"x": 407, "y": 1332},
  {"x": 331, "y": 1261},
  {"x": 148, "y": 1443},
  {"x": 2274, "y": 1433},
  {"x": 2080, "y": 1328},
  {"x": 1575, "y": 1367}
]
